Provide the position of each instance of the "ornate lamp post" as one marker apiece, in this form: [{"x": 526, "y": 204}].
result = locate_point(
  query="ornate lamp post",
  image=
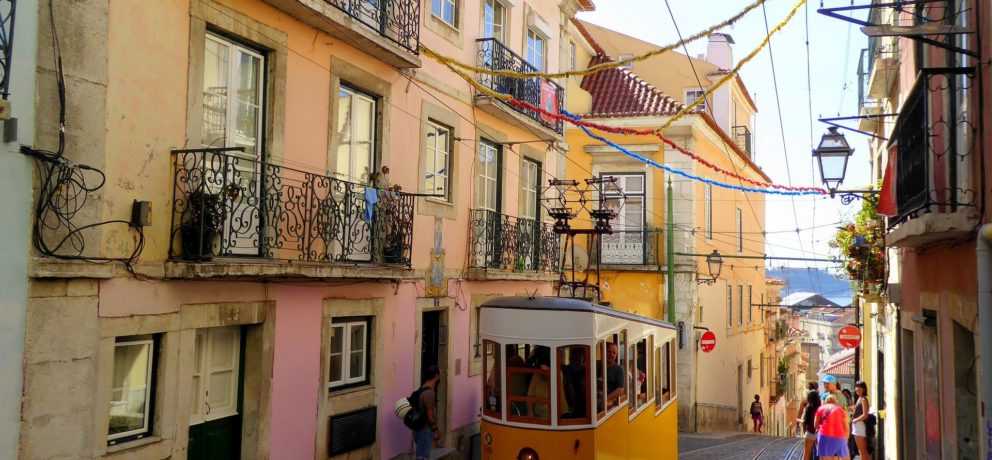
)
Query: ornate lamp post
[
  {"x": 832, "y": 155},
  {"x": 714, "y": 263}
]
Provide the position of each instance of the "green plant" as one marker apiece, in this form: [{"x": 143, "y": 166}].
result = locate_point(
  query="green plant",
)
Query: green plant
[{"x": 862, "y": 245}]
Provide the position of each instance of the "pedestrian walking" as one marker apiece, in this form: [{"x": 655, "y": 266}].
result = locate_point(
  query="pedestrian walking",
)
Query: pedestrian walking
[
  {"x": 831, "y": 424},
  {"x": 831, "y": 388},
  {"x": 425, "y": 401},
  {"x": 806, "y": 421},
  {"x": 859, "y": 420},
  {"x": 757, "y": 414}
]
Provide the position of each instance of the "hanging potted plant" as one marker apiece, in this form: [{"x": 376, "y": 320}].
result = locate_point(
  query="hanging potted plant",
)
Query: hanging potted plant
[{"x": 862, "y": 244}]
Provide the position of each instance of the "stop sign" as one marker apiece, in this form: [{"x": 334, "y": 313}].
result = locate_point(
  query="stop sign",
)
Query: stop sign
[
  {"x": 707, "y": 342},
  {"x": 849, "y": 337}
]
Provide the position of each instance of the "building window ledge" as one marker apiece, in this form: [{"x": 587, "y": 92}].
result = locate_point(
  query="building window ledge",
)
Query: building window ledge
[
  {"x": 481, "y": 274},
  {"x": 240, "y": 269}
]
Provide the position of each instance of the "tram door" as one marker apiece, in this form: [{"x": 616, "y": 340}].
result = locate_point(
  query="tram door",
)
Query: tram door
[{"x": 434, "y": 352}]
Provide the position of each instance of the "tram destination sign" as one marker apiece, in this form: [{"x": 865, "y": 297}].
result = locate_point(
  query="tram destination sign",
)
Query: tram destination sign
[
  {"x": 707, "y": 342},
  {"x": 849, "y": 336}
]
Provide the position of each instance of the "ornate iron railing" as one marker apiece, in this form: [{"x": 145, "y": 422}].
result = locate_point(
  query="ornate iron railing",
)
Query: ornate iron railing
[
  {"x": 226, "y": 204},
  {"x": 502, "y": 242},
  {"x": 7, "y": 10},
  {"x": 397, "y": 20},
  {"x": 539, "y": 92},
  {"x": 935, "y": 138},
  {"x": 628, "y": 247}
]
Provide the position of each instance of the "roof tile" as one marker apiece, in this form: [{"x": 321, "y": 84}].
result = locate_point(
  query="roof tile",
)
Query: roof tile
[{"x": 616, "y": 92}]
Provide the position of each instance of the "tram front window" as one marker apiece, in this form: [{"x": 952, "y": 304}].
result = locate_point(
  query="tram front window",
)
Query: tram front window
[
  {"x": 573, "y": 385},
  {"x": 493, "y": 403},
  {"x": 528, "y": 382}
]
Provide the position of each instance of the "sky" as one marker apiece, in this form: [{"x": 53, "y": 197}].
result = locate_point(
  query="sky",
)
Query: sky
[{"x": 834, "y": 48}]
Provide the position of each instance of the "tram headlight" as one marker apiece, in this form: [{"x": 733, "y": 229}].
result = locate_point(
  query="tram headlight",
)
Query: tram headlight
[{"x": 527, "y": 454}]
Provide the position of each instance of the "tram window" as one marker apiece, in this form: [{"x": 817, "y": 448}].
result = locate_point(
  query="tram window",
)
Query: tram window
[
  {"x": 528, "y": 382},
  {"x": 631, "y": 377},
  {"x": 600, "y": 380},
  {"x": 573, "y": 385},
  {"x": 652, "y": 369},
  {"x": 666, "y": 366},
  {"x": 616, "y": 377},
  {"x": 657, "y": 377},
  {"x": 640, "y": 375},
  {"x": 672, "y": 368},
  {"x": 491, "y": 370}
]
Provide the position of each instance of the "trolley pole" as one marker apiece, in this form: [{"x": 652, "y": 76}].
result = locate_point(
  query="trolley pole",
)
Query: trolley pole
[{"x": 670, "y": 252}]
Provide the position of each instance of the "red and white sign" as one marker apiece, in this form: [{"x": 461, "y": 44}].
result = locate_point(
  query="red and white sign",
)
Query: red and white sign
[
  {"x": 707, "y": 342},
  {"x": 849, "y": 337}
]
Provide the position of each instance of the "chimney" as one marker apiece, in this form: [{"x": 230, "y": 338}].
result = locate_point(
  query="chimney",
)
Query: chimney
[{"x": 719, "y": 51}]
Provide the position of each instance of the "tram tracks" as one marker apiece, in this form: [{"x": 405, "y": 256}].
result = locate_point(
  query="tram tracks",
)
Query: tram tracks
[{"x": 747, "y": 448}]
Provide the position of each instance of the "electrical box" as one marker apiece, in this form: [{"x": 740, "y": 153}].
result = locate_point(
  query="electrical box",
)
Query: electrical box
[{"x": 141, "y": 213}]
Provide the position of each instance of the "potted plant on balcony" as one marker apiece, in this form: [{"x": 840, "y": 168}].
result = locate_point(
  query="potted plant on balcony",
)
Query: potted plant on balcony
[
  {"x": 862, "y": 244},
  {"x": 202, "y": 222},
  {"x": 388, "y": 219}
]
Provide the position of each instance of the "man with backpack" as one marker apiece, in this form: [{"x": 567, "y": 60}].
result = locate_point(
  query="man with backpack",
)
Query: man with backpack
[
  {"x": 757, "y": 414},
  {"x": 421, "y": 417}
]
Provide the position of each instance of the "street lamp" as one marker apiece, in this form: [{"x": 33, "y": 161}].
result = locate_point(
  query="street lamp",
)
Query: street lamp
[
  {"x": 714, "y": 263},
  {"x": 832, "y": 155}
]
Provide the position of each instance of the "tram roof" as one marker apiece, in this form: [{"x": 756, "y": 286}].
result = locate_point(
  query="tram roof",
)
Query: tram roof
[{"x": 568, "y": 304}]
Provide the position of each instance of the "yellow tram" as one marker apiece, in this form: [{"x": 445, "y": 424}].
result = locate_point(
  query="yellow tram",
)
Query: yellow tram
[{"x": 569, "y": 379}]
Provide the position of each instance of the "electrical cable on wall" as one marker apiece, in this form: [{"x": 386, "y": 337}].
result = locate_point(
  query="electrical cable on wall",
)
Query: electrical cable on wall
[{"x": 65, "y": 188}]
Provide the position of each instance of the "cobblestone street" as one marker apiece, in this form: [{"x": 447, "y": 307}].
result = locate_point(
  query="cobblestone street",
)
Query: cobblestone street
[{"x": 738, "y": 446}]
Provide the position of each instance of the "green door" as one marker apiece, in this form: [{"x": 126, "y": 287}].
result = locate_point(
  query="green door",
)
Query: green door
[{"x": 215, "y": 421}]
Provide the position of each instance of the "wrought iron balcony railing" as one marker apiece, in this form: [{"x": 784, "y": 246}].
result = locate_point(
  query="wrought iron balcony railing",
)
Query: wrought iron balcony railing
[
  {"x": 397, "y": 20},
  {"x": 629, "y": 247},
  {"x": 226, "y": 204},
  {"x": 935, "y": 145},
  {"x": 7, "y": 10},
  {"x": 742, "y": 135},
  {"x": 502, "y": 242},
  {"x": 539, "y": 92}
]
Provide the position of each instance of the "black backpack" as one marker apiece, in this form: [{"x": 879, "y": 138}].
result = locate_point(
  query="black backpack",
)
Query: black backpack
[{"x": 415, "y": 419}]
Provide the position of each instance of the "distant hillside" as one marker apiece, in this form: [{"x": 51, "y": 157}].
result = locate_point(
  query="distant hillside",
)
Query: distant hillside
[{"x": 815, "y": 280}]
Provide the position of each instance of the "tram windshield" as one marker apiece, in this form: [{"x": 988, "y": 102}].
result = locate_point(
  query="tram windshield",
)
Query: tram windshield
[
  {"x": 491, "y": 369},
  {"x": 528, "y": 382},
  {"x": 573, "y": 387}
]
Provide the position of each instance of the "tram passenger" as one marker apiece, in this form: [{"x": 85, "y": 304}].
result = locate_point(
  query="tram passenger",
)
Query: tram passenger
[
  {"x": 574, "y": 384},
  {"x": 614, "y": 374},
  {"x": 540, "y": 381}
]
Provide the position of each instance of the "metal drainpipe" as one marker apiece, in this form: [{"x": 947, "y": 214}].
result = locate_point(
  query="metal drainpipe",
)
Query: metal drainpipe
[{"x": 983, "y": 256}]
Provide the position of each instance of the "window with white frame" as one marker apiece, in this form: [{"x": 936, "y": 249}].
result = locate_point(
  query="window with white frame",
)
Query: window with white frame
[
  {"x": 536, "y": 49},
  {"x": 233, "y": 84},
  {"x": 350, "y": 357},
  {"x": 708, "y": 212},
  {"x": 530, "y": 188},
  {"x": 131, "y": 397},
  {"x": 750, "y": 305},
  {"x": 730, "y": 306},
  {"x": 626, "y": 244},
  {"x": 740, "y": 305},
  {"x": 446, "y": 10},
  {"x": 493, "y": 20},
  {"x": 356, "y": 123},
  {"x": 487, "y": 180},
  {"x": 438, "y": 160},
  {"x": 216, "y": 368},
  {"x": 740, "y": 230},
  {"x": 695, "y": 93},
  {"x": 572, "y": 64}
]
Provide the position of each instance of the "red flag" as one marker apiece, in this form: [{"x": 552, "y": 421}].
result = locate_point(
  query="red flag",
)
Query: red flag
[
  {"x": 887, "y": 196},
  {"x": 549, "y": 100}
]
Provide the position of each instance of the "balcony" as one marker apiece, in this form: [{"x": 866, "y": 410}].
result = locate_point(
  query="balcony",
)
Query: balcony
[
  {"x": 506, "y": 247},
  {"x": 237, "y": 217},
  {"x": 742, "y": 136},
  {"x": 934, "y": 197},
  {"x": 386, "y": 29},
  {"x": 632, "y": 250},
  {"x": 539, "y": 92}
]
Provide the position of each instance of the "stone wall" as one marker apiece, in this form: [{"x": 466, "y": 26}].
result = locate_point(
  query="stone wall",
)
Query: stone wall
[{"x": 711, "y": 417}]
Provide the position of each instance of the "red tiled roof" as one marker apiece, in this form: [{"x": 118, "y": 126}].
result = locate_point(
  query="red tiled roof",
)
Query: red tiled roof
[
  {"x": 586, "y": 5},
  {"x": 616, "y": 92}
]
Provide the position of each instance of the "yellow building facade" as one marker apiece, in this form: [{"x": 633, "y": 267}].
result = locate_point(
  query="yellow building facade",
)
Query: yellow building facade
[{"x": 706, "y": 217}]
